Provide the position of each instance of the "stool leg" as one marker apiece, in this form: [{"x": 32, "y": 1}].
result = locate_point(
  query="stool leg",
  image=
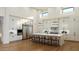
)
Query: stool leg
[
  {"x": 39, "y": 39},
  {"x": 51, "y": 41},
  {"x": 44, "y": 40}
]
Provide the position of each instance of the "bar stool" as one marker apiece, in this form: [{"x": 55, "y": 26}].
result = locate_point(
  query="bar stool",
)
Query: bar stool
[
  {"x": 42, "y": 39},
  {"x": 37, "y": 38},
  {"x": 50, "y": 40},
  {"x": 55, "y": 41},
  {"x": 58, "y": 38},
  {"x": 46, "y": 40},
  {"x": 33, "y": 37}
]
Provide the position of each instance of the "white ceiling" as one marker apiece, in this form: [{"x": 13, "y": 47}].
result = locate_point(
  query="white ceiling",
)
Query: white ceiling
[{"x": 40, "y": 8}]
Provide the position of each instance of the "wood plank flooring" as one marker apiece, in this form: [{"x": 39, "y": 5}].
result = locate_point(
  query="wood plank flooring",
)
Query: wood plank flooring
[{"x": 27, "y": 45}]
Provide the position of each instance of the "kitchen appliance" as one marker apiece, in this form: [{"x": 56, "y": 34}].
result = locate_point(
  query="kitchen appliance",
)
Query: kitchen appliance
[
  {"x": 27, "y": 31},
  {"x": 19, "y": 32},
  {"x": 54, "y": 30}
]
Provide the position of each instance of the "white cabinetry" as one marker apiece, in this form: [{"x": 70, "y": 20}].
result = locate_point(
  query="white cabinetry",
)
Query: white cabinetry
[
  {"x": 46, "y": 25},
  {"x": 40, "y": 26},
  {"x": 13, "y": 26},
  {"x": 50, "y": 23},
  {"x": 67, "y": 24},
  {"x": 76, "y": 29},
  {"x": 54, "y": 23},
  {"x": 71, "y": 24}
]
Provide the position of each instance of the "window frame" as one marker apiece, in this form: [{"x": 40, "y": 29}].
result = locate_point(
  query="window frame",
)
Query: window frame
[
  {"x": 66, "y": 9},
  {"x": 43, "y": 14}
]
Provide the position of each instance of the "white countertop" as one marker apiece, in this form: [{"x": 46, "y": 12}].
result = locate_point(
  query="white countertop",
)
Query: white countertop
[{"x": 47, "y": 34}]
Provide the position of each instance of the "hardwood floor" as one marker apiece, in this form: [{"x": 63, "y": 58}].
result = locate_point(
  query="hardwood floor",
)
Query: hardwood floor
[{"x": 27, "y": 45}]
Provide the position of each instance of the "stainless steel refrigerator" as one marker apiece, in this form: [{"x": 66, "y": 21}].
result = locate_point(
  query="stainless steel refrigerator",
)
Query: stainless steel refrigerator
[{"x": 27, "y": 31}]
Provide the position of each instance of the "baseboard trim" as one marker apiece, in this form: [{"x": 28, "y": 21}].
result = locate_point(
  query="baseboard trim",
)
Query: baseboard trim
[{"x": 72, "y": 41}]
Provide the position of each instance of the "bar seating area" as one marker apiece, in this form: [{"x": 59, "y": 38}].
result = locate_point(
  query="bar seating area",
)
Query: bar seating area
[{"x": 45, "y": 39}]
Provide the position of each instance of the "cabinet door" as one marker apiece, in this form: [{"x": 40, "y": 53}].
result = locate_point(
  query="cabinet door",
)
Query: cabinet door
[
  {"x": 13, "y": 27},
  {"x": 46, "y": 25},
  {"x": 71, "y": 29},
  {"x": 68, "y": 25},
  {"x": 12, "y": 22},
  {"x": 76, "y": 29}
]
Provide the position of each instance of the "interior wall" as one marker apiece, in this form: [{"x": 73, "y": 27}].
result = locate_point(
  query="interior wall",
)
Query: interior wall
[
  {"x": 20, "y": 11},
  {"x": 1, "y": 18},
  {"x": 0, "y": 30},
  {"x": 0, "y": 27},
  {"x": 2, "y": 14},
  {"x": 35, "y": 22},
  {"x": 2, "y": 11},
  {"x": 53, "y": 12}
]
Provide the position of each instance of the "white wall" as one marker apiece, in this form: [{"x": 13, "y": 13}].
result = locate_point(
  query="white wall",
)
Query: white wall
[
  {"x": 0, "y": 31},
  {"x": 20, "y": 11},
  {"x": 2, "y": 14},
  {"x": 2, "y": 11},
  {"x": 0, "y": 27},
  {"x": 1, "y": 18},
  {"x": 35, "y": 22},
  {"x": 53, "y": 12}
]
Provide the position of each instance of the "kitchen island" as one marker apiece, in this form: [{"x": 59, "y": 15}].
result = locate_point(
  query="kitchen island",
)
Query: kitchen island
[{"x": 52, "y": 39}]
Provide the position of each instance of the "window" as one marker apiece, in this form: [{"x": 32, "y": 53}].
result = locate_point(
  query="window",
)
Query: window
[
  {"x": 67, "y": 10},
  {"x": 43, "y": 14}
]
